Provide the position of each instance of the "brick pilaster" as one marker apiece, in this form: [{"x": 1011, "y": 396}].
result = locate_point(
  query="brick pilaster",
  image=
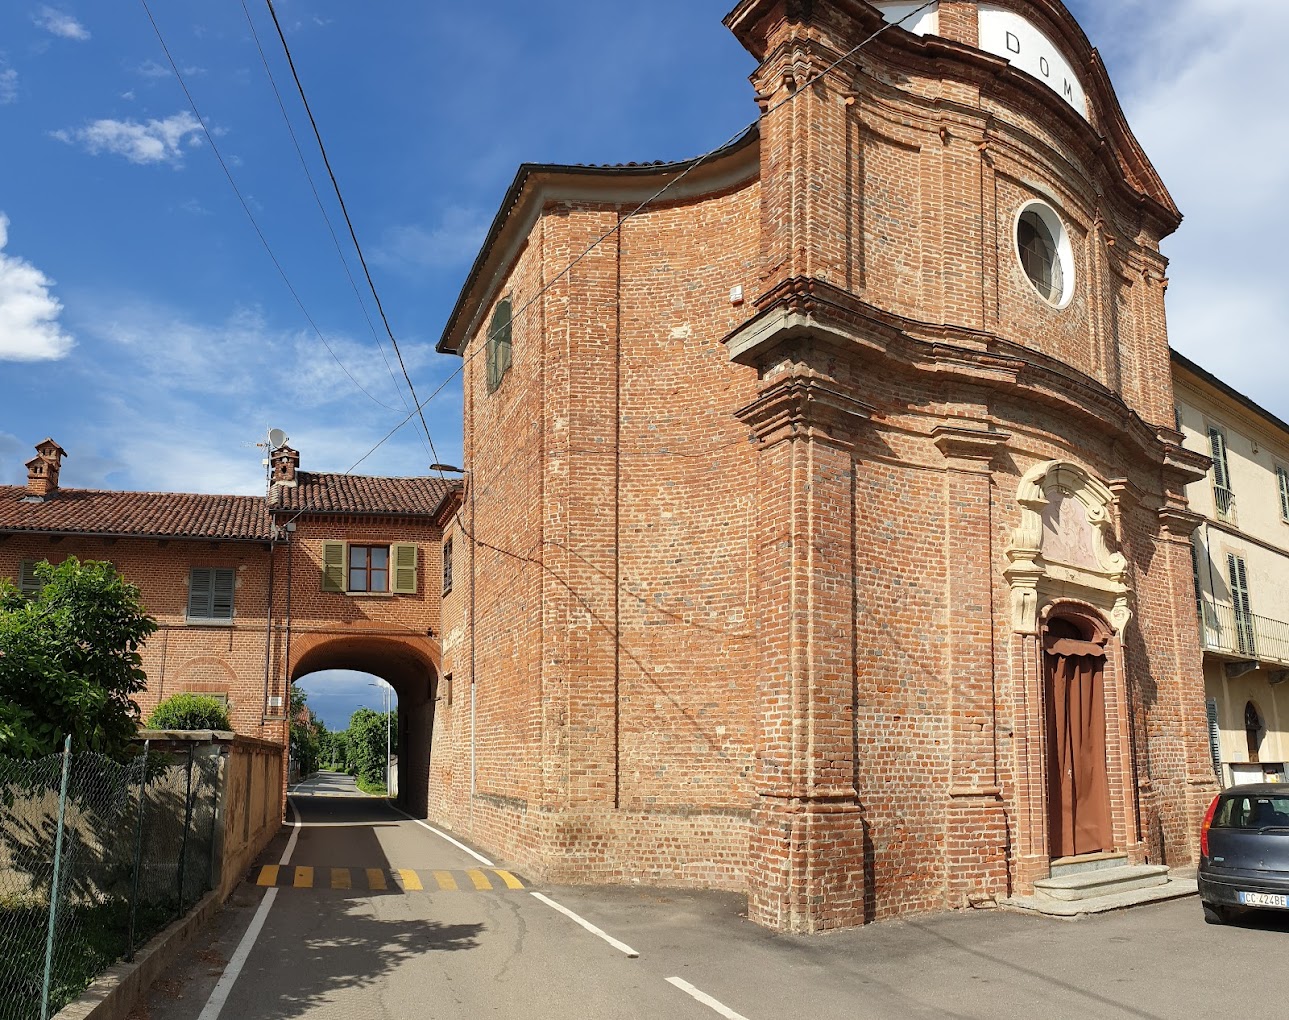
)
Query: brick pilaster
[
  {"x": 806, "y": 872},
  {"x": 975, "y": 818}
]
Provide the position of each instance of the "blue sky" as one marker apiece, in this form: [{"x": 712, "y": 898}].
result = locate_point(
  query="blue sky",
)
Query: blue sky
[{"x": 143, "y": 326}]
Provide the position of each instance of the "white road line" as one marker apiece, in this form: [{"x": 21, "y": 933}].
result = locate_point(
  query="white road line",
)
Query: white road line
[
  {"x": 443, "y": 835},
  {"x": 215, "y": 1004},
  {"x": 620, "y": 946},
  {"x": 705, "y": 999}
]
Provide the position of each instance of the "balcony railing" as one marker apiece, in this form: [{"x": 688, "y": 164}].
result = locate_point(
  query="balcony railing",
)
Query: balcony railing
[
  {"x": 1226, "y": 631},
  {"x": 1225, "y": 500}
]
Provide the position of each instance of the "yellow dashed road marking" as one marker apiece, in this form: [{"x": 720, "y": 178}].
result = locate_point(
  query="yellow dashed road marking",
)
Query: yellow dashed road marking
[{"x": 378, "y": 880}]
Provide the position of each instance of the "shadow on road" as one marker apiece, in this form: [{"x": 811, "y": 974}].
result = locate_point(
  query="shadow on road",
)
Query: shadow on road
[{"x": 345, "y": 950}]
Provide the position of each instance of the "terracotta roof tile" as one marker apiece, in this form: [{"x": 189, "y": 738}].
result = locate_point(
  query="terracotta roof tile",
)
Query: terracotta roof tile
[
  {"x": 145, "y": 514},
  {"x": 358, "y": 494},
  {"x": 181, "y": 515}
]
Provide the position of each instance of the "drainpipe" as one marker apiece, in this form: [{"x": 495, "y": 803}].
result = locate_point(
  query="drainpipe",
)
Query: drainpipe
[{"x": 268, "y": 637}]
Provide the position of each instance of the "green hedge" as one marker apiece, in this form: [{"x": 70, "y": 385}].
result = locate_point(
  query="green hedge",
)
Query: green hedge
[{"x": 190, "y": 712}]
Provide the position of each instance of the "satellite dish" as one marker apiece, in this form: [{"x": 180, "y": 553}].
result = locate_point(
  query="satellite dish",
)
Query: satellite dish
[{"x": 277, "y": 439}]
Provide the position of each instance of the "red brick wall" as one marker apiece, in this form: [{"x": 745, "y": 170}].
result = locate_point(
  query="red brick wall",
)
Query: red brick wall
[{"x": 745, "y": 623}]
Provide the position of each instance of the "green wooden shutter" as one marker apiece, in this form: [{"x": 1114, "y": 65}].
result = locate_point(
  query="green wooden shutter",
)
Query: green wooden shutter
[
  {"x": 1283, "y": 477},
  {"x": 223, "y": 587},
  {"x": 334, "y": 555},
  {"x": 1237, "y": 573},
  {"x": 404, "y": 569},
  {"x": 200, "y": 583},
  {"x": 1217, "y": 445},
  {"x": 1214, "y": 737},
  {"x": 28, "y": 582}
]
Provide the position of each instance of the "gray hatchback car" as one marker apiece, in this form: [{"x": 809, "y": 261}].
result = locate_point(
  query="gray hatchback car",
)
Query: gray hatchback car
[{"x": 1244, "y": 851}]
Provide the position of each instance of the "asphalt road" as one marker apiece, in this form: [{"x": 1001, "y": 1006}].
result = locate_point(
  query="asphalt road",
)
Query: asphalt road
[{"x": 468, "y": 944}]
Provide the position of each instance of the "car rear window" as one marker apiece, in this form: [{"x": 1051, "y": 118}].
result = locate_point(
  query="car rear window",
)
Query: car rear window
[{"x": 1252, "y": 811}]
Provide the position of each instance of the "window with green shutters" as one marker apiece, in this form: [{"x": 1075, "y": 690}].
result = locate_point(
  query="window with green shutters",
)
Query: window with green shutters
[
  {"x": 499, "y": 338},
  {"x": 1282, "y": 476},
  {"x": 349, "y": 568},
  {"x": 211, "y": 592},
  {"x": 28, "y": 582},
  {"x": 1238, "y": 576},
  {"x": 1221, "y": 471}
]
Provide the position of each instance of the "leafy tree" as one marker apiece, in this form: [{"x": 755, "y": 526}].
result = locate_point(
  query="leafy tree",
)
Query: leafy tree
[
  {"x": 190, "y": 712},
  {"x": 70, "y": 662},
  {"x": 365, "y": 741},
  {"x": 306, "y": 733}
]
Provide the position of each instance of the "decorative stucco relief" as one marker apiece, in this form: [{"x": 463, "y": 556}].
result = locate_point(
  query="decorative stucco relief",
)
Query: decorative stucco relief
[{"x": 1062, "y": 548}]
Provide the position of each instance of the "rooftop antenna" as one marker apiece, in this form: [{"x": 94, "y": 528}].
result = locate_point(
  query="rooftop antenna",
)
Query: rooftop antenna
[{"x": 277, "y": 439}]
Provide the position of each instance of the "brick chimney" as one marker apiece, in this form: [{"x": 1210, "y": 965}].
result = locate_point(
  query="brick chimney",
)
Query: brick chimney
[
  {"x": 42, "y": 470},
  {"x": 285, "y": 462}
]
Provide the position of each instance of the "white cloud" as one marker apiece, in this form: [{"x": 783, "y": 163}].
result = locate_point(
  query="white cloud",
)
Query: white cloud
[
  {"x": 1202, "y": 91},
  {"x": 223, "y": 384},
  {"x": 453, "y": 240},
  {"x": 152, "y": 141},
  {"x": 61, "y": 24},
  {"x": 29, "y": 327},
  {"x": 8, "y": 86}
]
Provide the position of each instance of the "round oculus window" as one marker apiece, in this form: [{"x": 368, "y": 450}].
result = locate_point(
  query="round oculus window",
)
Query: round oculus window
[{"x": 1045, "y": 255}]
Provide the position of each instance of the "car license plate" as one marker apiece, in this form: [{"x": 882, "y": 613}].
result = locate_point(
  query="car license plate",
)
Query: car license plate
[{"x": 1257, "y": 899}]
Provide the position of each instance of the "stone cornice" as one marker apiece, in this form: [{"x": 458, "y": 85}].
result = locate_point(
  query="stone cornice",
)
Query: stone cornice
[
  {"x": 805, "y": 406},
  {"x": 808, "y": 308},
  {"x": 970, "y": 446}
]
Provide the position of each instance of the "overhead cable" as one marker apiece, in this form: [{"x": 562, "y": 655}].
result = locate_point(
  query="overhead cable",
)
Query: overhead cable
[{"x": 247, "y": 209}]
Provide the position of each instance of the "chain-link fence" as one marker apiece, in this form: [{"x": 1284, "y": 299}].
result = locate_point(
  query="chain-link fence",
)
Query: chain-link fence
[{"x": 96, "y": 856}]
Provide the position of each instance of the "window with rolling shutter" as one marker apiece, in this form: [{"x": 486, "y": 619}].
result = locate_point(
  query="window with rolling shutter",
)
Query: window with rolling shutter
[
  {"x": 211, "y": 593},
  {"x": 28, "y": 582}
]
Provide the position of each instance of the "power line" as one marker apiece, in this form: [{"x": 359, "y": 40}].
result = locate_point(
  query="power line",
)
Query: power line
[
  {"x": 349, "y": 223},
  {"x": 304, "y": 165},
  {"x": 247, "y": 209},
  {"x": 699, "y": 161}
]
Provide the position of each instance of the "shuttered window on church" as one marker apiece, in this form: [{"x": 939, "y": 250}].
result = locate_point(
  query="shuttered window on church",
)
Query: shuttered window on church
[
  {"x": 210, "y": 593},
  {"x": 498, "y": 349}
]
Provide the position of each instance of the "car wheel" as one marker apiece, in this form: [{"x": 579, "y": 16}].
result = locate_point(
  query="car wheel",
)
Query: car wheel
[{"x": 1215, "y": 913}]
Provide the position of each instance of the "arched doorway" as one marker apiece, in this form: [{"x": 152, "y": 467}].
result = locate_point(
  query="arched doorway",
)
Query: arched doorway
[
  {"x": 1078, "y": 800},
  {"x": 408, "y": 666}
]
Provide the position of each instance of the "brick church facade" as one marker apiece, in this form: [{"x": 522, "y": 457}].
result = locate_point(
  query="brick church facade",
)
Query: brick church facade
[{"x": 825, "y": 531}]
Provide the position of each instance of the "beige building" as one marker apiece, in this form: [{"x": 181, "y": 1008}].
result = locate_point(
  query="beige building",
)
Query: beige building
[{"x": 1241, "y": 572}]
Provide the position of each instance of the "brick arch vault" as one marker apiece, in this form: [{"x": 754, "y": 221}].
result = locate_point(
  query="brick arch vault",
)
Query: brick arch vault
[{"x": 410, "y": 665}]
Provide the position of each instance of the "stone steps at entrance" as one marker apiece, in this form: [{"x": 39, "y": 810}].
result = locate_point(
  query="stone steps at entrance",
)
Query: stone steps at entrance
[
  {"x": 1087, "y": 862},
  {"x": 1086, "y": 885},
  {"x": 1098, "y": 889}
]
